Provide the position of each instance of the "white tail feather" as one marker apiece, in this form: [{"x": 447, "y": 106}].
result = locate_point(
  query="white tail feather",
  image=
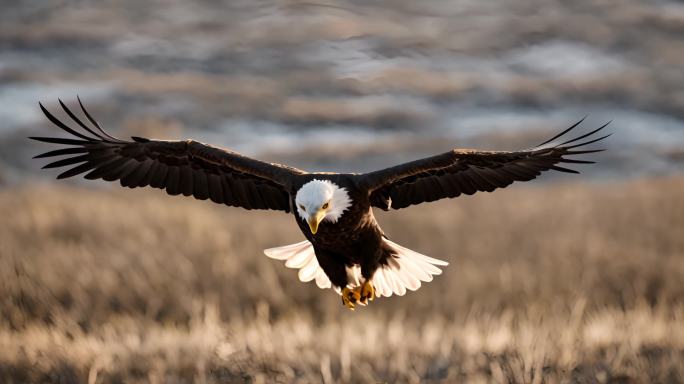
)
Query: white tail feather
[
  {"x": 301, "y": 256},
  {"x": 406, "y": 271}
]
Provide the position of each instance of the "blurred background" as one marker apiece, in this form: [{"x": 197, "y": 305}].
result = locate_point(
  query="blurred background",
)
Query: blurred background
[{"x": 565, "y": 279}]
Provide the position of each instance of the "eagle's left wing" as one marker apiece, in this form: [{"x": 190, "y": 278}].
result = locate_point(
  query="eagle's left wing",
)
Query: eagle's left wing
[{"x": 463, "y": 171}]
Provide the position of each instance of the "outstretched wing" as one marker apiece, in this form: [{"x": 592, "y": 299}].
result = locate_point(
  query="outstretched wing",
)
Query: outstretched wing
[
  {"x": 463, "y": 171},
  {"x": 180, "y": 167}
]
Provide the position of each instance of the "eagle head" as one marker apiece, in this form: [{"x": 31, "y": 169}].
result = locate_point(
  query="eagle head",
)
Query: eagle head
[{"x": 320, "y": 200}]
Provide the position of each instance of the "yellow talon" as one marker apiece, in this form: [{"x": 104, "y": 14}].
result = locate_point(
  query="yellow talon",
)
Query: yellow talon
[
  {"x": 358, "y": 295},
  {"x": 367, "y": 292},
  {"x": 350, "y": 297}
]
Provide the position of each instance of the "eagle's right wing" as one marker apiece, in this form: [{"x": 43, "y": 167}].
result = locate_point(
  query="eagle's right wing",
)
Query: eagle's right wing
[
  {"x": 465, "y": 171},
  {"x": 180, "y": 167}
]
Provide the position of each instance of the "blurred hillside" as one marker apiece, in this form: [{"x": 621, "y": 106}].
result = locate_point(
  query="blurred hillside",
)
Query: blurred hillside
[{"x": 388, "y": 81}]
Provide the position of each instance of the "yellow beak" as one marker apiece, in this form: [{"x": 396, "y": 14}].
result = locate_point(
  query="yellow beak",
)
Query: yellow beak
[{"x": 315, "y": 219}]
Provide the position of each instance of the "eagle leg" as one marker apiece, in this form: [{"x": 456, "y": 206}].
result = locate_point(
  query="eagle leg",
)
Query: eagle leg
[
  {"x": 367, "y": 292},
  {"x": 350, "y": 297}
]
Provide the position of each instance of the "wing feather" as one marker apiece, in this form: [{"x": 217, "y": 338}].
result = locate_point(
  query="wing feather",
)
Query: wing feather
[
  {"x": 215, "y": 188},
  {"x": 60, "y": 152},
  {"x": 185, "y": 180},
  {"x": 76, "y": 170},
  {"x": 159, "y": 173},
  {"x": 139, "y": 178},
  {"x": 173, "y": 181},
  {"x": 201, "y": 186}
]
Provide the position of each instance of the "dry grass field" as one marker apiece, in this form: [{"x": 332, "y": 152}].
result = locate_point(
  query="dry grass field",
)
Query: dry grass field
[{"x": 555, "y": 283}]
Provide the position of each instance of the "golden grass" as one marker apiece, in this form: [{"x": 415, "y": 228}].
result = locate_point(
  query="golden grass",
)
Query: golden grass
[{"x": 547, "y": 283}]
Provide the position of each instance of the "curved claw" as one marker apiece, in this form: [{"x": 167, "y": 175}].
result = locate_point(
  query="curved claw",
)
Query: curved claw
[
  {"x": 350, "y": 297},
  {"x": 367, "y": 292}
]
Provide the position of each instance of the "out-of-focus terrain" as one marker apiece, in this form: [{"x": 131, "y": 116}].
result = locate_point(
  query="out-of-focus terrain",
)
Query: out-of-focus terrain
[
  {"x": 569, "y": 283},
  {"x": 568, "y": 279},
  {"x": 295, "y": 81}
]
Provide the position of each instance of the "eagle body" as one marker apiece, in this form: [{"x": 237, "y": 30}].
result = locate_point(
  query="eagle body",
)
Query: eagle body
[
  {"x": 344, "y": 247},
  {"x": 354, "y": 240}
]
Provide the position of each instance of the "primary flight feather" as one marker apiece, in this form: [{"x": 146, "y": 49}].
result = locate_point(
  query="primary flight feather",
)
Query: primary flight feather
[{"x": 345, "y": 248}]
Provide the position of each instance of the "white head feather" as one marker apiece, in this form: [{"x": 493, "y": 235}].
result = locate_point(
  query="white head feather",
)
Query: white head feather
[{"x": 313, "y": 196}]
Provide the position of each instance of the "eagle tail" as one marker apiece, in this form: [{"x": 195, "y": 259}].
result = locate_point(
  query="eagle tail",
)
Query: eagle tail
[
  {"x": 405, "y": 269},
  {"x": 301, "y": 256}
]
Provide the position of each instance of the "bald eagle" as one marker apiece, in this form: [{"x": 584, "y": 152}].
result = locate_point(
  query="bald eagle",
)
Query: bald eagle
[{"x": 345, "y": 248}]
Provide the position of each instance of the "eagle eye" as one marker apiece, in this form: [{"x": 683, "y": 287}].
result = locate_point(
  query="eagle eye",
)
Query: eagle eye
[
  {"x": 325, "y": 206},
  {"x": 302, "y": 207}
]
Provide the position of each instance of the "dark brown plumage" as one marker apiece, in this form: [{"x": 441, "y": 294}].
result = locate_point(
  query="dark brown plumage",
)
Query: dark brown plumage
[
  {"x": 349, "y": 239},
  {"x": 180, "y": 167},
  {"x": 463, "y": 171}
]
